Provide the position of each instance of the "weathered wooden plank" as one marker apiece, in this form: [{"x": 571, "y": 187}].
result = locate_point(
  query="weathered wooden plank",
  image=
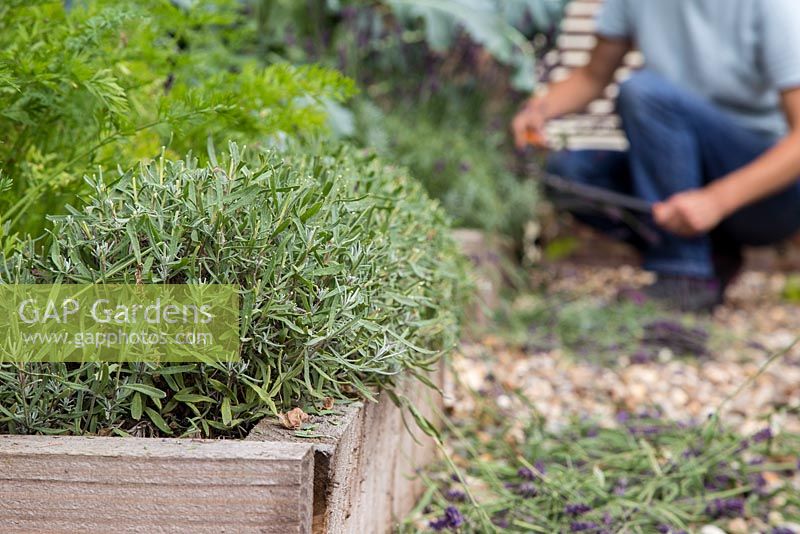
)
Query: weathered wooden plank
[
  {"x": 576, "y": 123},
  {"x": 574, "y": 58},
  {"x": 103, "y": 484},
  {"x": 365, "y": 461},
  {"x": 559, "y": 74},
  {"x": 569, "y": 41},
  {"x": 601, "y": 107},
  {"x": 600, "y": 141},
  {"x": 490, "y": 256},
  {"x": 634, "y": 59},
  {"x": 622, "y": 74},
  {"x": 582, "y": 9},
  {"x": 577, "y": 39},
  {"x": 578, "y": 25}
]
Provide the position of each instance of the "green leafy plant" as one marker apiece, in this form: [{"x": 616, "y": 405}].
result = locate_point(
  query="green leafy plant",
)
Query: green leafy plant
[
  {"x": 464, "y": 166},
  {"x": 791, "y": 288},
  {"x": 497, "y": 25},
  {"x": 364, "y": 36},
  {"x": 440, "y": 82},
  {"x": 107, "y": 82},
  {"x": 348, "y": 280}
]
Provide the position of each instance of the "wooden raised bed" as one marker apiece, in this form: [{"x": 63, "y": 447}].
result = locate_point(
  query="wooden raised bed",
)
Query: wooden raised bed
[
  {"x": 358, "y": 478},
  {"x": 486, "y": 252},
  {"x": 358, "y": 475},
  {"x": 106, "y": 484},
  {"x": 365, "y": 465}
]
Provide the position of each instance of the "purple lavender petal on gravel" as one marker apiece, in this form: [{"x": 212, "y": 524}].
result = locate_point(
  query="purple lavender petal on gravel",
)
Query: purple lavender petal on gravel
[
  {"x": 578, "y": 526},
  {"x": 762, "y": 435},
  {"x": 577, "y": 509}
]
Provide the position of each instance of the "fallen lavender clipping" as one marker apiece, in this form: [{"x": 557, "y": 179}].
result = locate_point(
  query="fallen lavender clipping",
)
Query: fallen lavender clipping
[
  {"x": 585, "y": 478},
  {"x": 672, "y": 335}
]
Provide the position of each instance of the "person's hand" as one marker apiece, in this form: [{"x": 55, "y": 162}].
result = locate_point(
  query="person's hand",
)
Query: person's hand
[
  {"x": 528, "y": 124},
  {"x": 690, "y": 213}
]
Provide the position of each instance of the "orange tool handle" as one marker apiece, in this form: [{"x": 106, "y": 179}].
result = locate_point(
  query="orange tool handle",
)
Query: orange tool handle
[{"x": 535, "y": 139}]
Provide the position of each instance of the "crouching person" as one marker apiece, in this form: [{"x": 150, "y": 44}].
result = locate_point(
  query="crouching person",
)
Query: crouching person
[{"x": 713, "y": 124}]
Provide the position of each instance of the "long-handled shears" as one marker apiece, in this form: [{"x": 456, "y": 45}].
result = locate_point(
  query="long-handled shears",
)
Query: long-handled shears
[{"x": 574, "y": 196}]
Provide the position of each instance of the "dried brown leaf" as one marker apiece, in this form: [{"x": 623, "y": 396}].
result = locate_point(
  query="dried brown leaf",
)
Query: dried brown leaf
[{"x": 293, "y": 419}]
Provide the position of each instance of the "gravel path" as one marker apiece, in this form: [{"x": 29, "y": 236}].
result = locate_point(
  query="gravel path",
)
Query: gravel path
[{"x": 561, "y": 384}]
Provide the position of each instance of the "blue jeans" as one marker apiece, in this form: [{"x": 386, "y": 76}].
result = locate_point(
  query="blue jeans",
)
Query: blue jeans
[{"x": 679, "y": 141}]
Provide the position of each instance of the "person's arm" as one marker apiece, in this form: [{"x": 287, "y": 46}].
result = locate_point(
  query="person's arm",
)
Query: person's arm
[
  {"x": 573, "y": 94},
  {"x": 700, "y": 211}
]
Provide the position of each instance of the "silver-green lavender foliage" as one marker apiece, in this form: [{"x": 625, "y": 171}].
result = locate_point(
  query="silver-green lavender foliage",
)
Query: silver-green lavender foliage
[{"x": 348, "y": 280}]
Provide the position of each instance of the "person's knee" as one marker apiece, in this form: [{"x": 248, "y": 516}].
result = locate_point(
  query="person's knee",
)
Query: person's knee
[
  {"x": 645, "y": 92},
  {"x": 588, "y": 166},
  {"x": 570, "y": 164},
  {"x": 559, "y": 162}
]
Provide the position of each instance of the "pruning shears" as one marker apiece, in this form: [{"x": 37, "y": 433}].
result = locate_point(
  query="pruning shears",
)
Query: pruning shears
[{"x": 574, "y": 196}]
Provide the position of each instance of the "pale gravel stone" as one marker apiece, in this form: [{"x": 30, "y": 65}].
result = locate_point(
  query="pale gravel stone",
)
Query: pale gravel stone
[
  {"x": 562, "y": 387},
  {"x": 738, "y": 526}
]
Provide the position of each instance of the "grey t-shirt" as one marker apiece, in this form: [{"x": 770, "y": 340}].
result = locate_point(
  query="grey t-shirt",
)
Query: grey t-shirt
[{"x": 738, "y": 53}]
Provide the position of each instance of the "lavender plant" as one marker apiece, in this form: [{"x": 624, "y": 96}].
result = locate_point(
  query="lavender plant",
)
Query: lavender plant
[{"x": 348, "y": 280}]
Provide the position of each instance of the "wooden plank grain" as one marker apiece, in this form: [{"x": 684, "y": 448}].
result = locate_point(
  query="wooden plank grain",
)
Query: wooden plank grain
[
  {"x": 94, "y": 484},
  {"x": 366, "y": 460},
  {"x": 578, "y": 25},
  {"x": 568, "y": 41}
]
